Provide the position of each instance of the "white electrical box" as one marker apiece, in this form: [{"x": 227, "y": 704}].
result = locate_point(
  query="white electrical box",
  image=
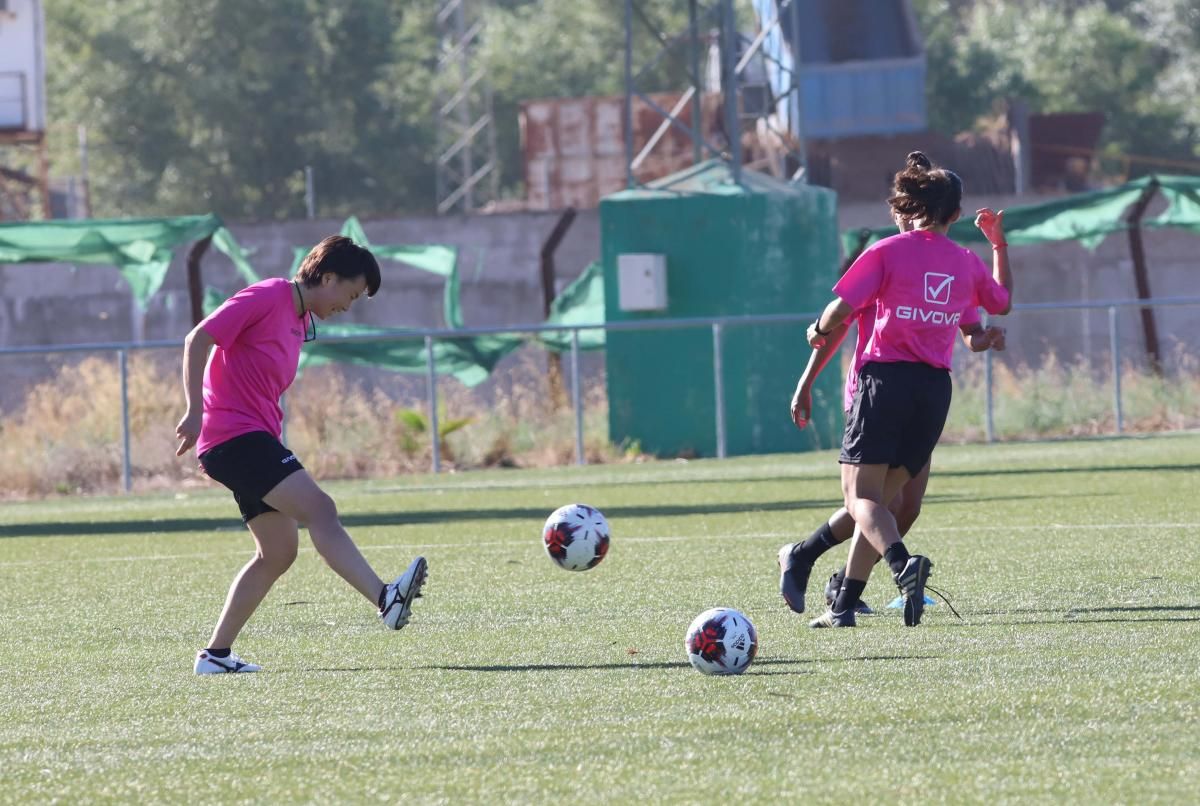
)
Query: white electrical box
[{"x": 642, "y": 282}]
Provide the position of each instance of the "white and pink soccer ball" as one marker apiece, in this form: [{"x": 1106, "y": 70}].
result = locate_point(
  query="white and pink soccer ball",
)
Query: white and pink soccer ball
[
  {"x": 721, "y": 641},
  {"x": 576, "y": 537}
]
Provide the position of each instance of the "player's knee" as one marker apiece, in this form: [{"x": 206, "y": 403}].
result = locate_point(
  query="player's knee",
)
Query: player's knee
[
  {"x": 279, "y": 558},
  {"x": 285, "y": 557},
  {"x": 322, "y": 512},
  {"x": 864, "y": 511},
  {"x": 907, "y": 515},
  {"x": 841, "y": 525}
]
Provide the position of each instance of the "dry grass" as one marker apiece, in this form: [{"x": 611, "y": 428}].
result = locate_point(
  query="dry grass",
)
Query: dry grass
[
  {"x": 65, "y": 437},
  {"x": 1073, "y": 399}
]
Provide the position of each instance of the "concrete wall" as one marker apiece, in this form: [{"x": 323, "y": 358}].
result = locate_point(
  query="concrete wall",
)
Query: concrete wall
[
  {"x": 499, "y": 267},
  {"x": 499, "y": 263},
  {"x": 1067, "y": 272}
]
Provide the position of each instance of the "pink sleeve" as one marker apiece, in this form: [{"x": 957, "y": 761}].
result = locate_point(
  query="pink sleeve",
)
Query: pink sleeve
[
  {"x": 237, "y": 313},
  {"x": 970, "y": 316},
  {"x": 860, "y": 285},
  {"x": 991, "y": 295}
]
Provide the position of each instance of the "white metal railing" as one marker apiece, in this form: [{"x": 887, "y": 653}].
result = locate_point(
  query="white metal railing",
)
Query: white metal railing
[{"x": 717, "y": 325}]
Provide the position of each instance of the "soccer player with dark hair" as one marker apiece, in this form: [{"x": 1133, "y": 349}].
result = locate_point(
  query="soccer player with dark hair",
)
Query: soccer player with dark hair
[
  {"x": 235, "y": 421},
  {"x": 918, "y": 286}
]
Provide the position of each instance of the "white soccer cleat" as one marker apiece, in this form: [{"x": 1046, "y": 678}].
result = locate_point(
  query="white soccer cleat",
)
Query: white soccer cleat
[
  {"x": 398, "y": 597},
  {"x": 207, "y": 663}
]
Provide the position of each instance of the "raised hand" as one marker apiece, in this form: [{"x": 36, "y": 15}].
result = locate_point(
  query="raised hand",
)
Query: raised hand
[{"x": 991, "y": 224}]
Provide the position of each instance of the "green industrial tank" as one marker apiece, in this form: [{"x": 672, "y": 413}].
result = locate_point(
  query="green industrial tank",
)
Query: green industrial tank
[{"x": 698, "y": 244}]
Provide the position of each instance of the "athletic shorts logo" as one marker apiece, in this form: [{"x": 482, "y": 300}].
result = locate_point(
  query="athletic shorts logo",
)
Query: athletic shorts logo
[
  {"x": 937, "y": 287},
  {"x": 291, "y": 457}
]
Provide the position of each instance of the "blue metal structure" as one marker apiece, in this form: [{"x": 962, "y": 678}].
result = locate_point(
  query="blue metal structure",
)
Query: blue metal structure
[
  {"x": 862, "y": 65},
  {"x": 861, "y": 70}
]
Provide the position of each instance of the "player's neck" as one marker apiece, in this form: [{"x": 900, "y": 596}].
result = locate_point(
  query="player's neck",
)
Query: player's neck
[
  {"x": 297, "y": 298},
  {"x": 940, "y": 229}
]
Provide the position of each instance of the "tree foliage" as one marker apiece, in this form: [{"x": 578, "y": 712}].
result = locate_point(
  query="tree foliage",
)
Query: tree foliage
[
  {"x": 198, "y": 105},
  {"x": 220, "y": 104},
  {"x": 1133, "y": 60}
]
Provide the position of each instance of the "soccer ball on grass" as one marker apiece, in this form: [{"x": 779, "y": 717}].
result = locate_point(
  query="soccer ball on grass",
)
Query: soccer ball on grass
[
  {"x": 576, "y": 537},
  {"x": 721, "y": 641}
]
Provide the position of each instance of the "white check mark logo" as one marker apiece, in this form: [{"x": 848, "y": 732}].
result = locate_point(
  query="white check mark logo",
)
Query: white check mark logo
[{"x": 939, "y": 293}]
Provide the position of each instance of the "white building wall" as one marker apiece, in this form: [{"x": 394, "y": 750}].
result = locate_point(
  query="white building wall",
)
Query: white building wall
[{"x": 22, "y": 66}]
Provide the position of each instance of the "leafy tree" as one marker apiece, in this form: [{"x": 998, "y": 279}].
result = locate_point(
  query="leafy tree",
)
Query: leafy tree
[
  {"x": 1127, "y": 58},
  {"x": 1174, "y": 25},
  {"x": 571, "y": 48},
  {"x": 219, "y": 104},
  {"x": 196, "y": 105}
]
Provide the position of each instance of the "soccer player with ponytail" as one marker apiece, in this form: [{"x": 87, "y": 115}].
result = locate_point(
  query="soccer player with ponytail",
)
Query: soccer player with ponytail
[{"x": 913, "y": 290}]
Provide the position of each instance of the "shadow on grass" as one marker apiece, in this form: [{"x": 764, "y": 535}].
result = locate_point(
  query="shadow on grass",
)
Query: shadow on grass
[
  {"x": 416, "y": 517},
  {"x": 1071, "y": 611},
  {"x": 831, "y": 474},
  {"x": 1069, "y": 620},
  {"x": 1134, "y": 609},
  {"x": 1053, "y": 471},
  {"x": 1078, "y": 615},
  {"x": 536, "y": 516},
  {"x": 754, "y": 667},
  {"x": 809, "y": 665}
]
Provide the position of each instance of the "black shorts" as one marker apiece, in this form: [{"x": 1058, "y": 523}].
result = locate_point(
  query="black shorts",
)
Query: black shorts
[
  {"x": 897, "y": 416},
  {"x": 250, "y": 465}
]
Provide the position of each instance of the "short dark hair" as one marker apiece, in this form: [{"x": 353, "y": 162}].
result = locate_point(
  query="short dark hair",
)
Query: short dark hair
[
  {"x": 925, "y": 191},
  {"x": 339, "y": 255}
]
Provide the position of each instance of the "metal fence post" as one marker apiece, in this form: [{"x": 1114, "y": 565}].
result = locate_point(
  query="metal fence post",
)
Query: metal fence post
[
  {"x": 1114, "y": 348},
  {"x": 431, "y": 390},
  {"x": 627, "y": 130},
  {"x": 577, "y": 397},
  {"x": 719, "y": 389},
  {"x": 126, "y": 460}
]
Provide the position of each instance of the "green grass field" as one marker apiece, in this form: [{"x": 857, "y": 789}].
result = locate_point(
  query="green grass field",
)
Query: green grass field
[{"x": 1072, "y": 678}]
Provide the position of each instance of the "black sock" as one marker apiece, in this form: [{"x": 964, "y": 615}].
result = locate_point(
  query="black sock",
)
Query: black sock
[
  {"x": 382, "y": 593},
  {"x": 217, "y": 653},
  {"x": 897, "y": 556},
  {"x": 821, "y": 541},
  {"x": 848, "y": 596}
]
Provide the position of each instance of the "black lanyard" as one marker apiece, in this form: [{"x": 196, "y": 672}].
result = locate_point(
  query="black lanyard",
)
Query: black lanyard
[{"x": 310, "y": 321}]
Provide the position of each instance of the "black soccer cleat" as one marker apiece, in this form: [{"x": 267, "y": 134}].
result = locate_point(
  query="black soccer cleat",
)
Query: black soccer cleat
[
  {"x": 831, "y": 619},
  {"x": 793, "y": 577},
  {"x": 911, "y": 582},
  {"x": 834, "y": 585}
]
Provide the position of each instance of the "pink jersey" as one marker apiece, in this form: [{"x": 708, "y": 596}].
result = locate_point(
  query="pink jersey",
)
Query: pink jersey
[
  {"x": 920, "y": 285},
  {"x": 258, "y": 336},
  {"x": 865, "y": 320}
]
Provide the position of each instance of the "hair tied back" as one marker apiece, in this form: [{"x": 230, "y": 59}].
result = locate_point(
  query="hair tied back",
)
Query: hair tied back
[{"x": 917, "y": 159}]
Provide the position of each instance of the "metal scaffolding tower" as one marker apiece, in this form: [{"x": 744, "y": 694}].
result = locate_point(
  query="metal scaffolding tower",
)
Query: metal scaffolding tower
[
  {"x": 467, "y": 176},
  {"x": 757, "y": 77}
]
